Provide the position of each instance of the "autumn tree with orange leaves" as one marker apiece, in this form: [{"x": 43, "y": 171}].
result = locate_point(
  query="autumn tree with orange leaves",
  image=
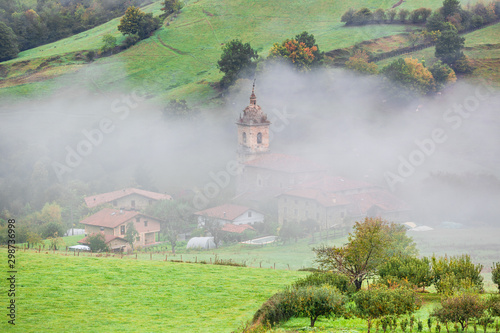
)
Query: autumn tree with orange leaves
[{"x": 301, "y": 51}]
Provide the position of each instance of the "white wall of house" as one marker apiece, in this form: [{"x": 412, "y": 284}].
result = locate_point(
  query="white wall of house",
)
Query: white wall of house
[{"x": 249, "y": 217}]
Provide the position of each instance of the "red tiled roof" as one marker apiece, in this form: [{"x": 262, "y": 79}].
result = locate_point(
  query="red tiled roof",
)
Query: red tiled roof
[
  {"x": 225, "y": 212},
  {"x": 337, "y": 184},
  {"x": 99, "y": 199},
  {"x": 386, "y": 201},
  {"x": 282, "y": 162},
  {"x": 236, "y": 228},
  {"x": 107, "y": 239},
  {"x": 324, "y": 199}
]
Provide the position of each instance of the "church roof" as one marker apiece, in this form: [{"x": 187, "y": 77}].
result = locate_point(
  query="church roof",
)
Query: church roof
[
  {"x": 283, "y": 162},
  {"x": 253, "y": 113}
]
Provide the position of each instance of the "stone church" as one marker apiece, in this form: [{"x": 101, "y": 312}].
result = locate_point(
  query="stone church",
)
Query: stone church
[{"x": 300, "y": 189}]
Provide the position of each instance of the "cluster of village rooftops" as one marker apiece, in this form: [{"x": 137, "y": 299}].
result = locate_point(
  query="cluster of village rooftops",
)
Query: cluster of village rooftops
[{"x": 296, "y": 188}]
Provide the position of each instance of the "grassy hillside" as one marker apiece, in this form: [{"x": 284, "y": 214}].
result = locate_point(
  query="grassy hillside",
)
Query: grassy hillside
[
  {"x": 69, "y": 294},
  {"x": 180, "y": 59}
]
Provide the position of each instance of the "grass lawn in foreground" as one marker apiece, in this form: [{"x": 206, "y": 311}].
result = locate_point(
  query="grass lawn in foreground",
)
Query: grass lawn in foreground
[{"x": 57, "y": 293}]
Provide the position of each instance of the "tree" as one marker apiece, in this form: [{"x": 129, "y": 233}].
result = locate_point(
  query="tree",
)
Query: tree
[
  {"x": 310, "y": 42},
  {"x": 298, "y": 54},
  {"x": 51, "y": 229},
  {"x": 177, "y": 109},
  {"x": 372, "y": 242},
  {"x": 363, "y": 16},
  {"x": 359, "y": 62},
  {"x": 33, "y": 239},
  {"x": 460, "y": 309},
  {"x": 131, "y": 234},
  {"x": 314, "y": 301},
  {"x": 108, "y": 43},
  {"x": 135, "y": 21},
  {"x": 450, "y": 7},
  {"x": 289, "y": 230},
  {"x": 236, "y": 59},
  {"x": 449, "y": 46},
  {"x": 380, "y": 301},
  {"x": 456, "y": 273},
  {"x": 97, "y": 242},
  {"x": 213, "y": 226},
  {"x": 495, "y": 274},
  {"x": 420, "y": 15},
  {"x": 339, "y": 281},
  {"x": 436, "y": 22},
  {"x": 379, "y": 15},
  {"x": 411, "y": 74},
  {"x": 403, "y": 14},
  {"x": 443, "y": 74},
  {"x": 170, "y": 7},
  {"x": 416, "y": 271},
  {"x": 348, "y": 16},
  {"x": 8, "y": 43},
  {"x": 175, "y": 217}
]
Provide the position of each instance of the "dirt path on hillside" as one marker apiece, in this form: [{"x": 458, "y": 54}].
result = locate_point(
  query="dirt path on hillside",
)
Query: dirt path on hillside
[{"x": 399, "y": 3}]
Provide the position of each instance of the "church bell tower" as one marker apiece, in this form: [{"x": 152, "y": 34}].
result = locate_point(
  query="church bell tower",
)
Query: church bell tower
[{"x": 253, "y": 131}]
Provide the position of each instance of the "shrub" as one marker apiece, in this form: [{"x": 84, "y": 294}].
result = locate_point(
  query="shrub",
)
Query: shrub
[
  {"x": 97, "y": 243},
  {"x": 131, "y": 40},
  {"x": 456, "y": 273},
  {"x": 339, "y": 281},
  {"x": 90, "y": 56},
  {"x": 414, "y": 270},
  {"x": 460, "y": 309},
  {"x": 314, "y": 301},
  {"x": 275, "y": 310}
]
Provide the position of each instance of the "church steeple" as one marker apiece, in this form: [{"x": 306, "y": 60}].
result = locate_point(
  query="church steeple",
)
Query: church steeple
[{"x": 253, "y": 131}]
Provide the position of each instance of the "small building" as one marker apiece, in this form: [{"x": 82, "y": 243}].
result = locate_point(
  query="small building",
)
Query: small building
[
  {"x": 230, "y": 213},
  {"x": 204, "y": 243},
  {"x": 113, "y": 222},
  {"x": 129, "y": 199}
]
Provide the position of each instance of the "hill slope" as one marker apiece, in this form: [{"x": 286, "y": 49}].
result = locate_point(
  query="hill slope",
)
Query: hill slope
[{"x": 181, "y": 58}]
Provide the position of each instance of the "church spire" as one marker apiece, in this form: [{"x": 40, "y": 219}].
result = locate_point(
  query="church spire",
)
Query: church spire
[{"x": 253, "y": 98}]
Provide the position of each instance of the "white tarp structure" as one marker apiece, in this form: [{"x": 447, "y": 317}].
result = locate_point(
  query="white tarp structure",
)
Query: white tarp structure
[
  {"x": 261, "y": 241},
  {"x": 205, "y": 243},
  {"x": 79, "y": 247}
]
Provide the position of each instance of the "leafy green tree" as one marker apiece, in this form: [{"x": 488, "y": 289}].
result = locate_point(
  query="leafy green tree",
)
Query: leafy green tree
[
  {"x": 97, "y": 242},
  {"x": 380, "y": 301},
  {"x": 177, "y": 109},
  {"x": 289, "y": 230},
  {"x": 313, "y": 302},
  {"x": 8, "y": 43},
  {"x": 175, "y": 217},
  {"x": 403, "y": 14},
  {"x": 442, "y": 74},
  {"x": 460, "y": 309},
  {"x": 372, "y": 242},
  {"x": 420, "y": 15},
  {"x": 391, "y": 14},
  {"x": 411, "y": 75},
  {"x": 363, "y": 16},
  {"x": 495, "y": 274},
  {"x": 339, "y": 281},
  {"x": 131, "y": 234},
  {"x": 108, "y": 43},
  {"x": 450, "y": 7},
  {"x": 436, "y": 22},
  {"x": 379, "y": 15},
  {"x": 348, "y": 17},
  {"x": 51, "y": 229},
  {"x": 170, "y": 7},
  {"x": 449, "y": 46},
  {"x": 297, "y": 53},
  {"x": 33, "y": 239},
  {"x": 454, "y": 273},
  {"x": 135, "y": 21},
  {"x": 416, "y": 271},
  {"x": 236, "y": 60}
]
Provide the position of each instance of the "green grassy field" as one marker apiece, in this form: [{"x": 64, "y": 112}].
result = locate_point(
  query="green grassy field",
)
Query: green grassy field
[
  {"x": 180, "y": 59},
  {"x": 57, "y": 293}
]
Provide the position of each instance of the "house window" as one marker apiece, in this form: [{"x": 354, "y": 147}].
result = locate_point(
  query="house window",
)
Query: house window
[
  {"x": 249, "y": 214},
  {"x": 132, "y": 203},
  {"x": 145, "y": 223},
  {"x": 244, "y": 137},
  {"x": 259, "y": 137},
  {"x": 115, "y": 203},
  {"x": 122, "y": 230},
  {"x": 137, "y": 219}
]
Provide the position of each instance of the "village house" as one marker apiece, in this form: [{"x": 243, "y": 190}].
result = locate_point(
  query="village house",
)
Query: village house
[
  {"x": 113, "y": 223},
  {"x": 230, "y": 214},
  {"x": 126, "y": 199}
]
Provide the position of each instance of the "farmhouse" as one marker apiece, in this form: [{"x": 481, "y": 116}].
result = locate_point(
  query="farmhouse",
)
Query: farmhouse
[
  {"x": 114, "y": 223},
  {"x": 129, "y": 199},
  {"x": 229, "y": 213}
]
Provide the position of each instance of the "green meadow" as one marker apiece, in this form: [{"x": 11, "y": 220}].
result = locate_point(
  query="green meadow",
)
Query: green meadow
[{"x": 59, "y": 293}]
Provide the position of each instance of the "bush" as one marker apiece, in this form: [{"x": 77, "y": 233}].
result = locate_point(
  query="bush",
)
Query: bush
[
  {"x": 339, "y": 281},
  {"x": 90, "y": 56},
  {"x": 460, "y": 309},
  {"x": 456, "y": 273},
  {"x": 97, "y": 243},
  {"x": 275, "y": 310},
  {"x": 131, "y": 40},
  {"x": 495, "y": 274},
  {"x": 313, "y": 302}
]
